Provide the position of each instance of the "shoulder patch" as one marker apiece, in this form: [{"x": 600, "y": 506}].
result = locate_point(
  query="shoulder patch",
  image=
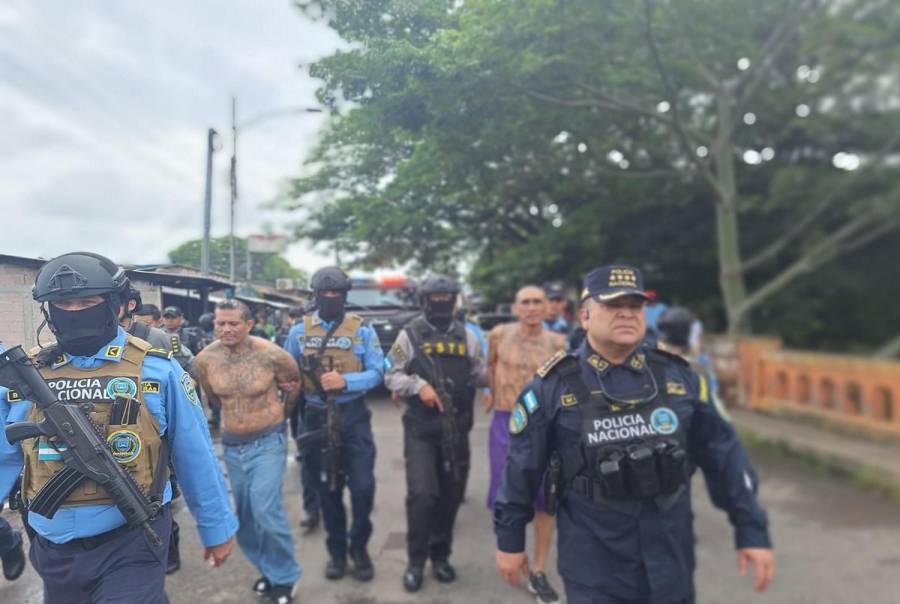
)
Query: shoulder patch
[
  {"x": 518, "y": 419},
  {"x": 550, "y": 363},
  {"x": 160, "y": 352},
  {"x": 530, "y": 401},
  {"x": 187, "y": 384}
]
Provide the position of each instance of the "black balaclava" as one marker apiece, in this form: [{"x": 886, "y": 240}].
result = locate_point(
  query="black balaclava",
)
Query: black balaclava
[
  {"x": 439, "y": 314},
  {"x": 83, "y": 332},
  {"x": 331, "y": 309}
]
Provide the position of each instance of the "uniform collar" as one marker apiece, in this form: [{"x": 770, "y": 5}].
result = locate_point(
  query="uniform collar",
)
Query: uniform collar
[
  {"x": 636, "y": 362},
  {"x": 112, "y": 351}
]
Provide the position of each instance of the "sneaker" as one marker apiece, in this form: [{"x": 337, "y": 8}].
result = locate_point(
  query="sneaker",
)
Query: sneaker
[
  {"x": 281, "y": 594},
  {"x": 335, "y": 569},
  {"x": 362, "y": 565},
  {"x": 262, "y": 586},
  {"x": 540, "y": 586},
  {"x": 13, "y": 563}
]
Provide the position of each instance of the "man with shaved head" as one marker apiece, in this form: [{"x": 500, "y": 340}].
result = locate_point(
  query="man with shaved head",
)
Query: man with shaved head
[{"x": 515, "y": 351}]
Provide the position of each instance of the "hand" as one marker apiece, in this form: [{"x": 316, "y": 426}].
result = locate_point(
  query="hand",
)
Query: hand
[
  {"x": 290, "y": 387},
  {"x": 487, "y": 399},
  {"x": 397, "y": 399},
  {"x": 217, "y": 554},
  {"x": 763, "y": 562},
  {"x": 512, "y": 567},
  {"x": 430, "y": 397},
  {"x": 332, "y": 380}
]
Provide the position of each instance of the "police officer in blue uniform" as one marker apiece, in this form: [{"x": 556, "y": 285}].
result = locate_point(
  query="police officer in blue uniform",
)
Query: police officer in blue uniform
[
  {"x": 556, "y": 306},
  {"x": 619, "y": 429},
  {"x": 353, "y": 363},
  {"x": 86, "y": 552}
]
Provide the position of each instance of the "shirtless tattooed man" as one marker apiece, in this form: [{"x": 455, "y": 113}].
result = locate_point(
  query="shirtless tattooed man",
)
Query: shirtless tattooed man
[
  {"x": 515, "y": 352},
  {"x": 255, "y": 383}
]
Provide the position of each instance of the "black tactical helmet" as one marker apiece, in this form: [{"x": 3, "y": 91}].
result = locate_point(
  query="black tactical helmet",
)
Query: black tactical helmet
[
  {"x": 438, "y": 284},
  {"x": 206, "y": 321},
  {"x": 78, "y": 275},
  {"x": 330, "y": 278},
  {"x": 675, "y": 325},
  {"x": 133, "y": 294}
]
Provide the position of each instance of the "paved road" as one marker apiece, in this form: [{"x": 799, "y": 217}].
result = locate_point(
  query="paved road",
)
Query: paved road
[{"x": 835, "y": 544}]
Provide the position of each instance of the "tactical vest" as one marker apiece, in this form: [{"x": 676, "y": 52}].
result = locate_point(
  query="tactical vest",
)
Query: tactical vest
[
  {"x": 626, "y": 452},
  {"x": 134, "y": 439},
  {"x": 449, "y": 351},
  {"x": 338, "y": 350}
]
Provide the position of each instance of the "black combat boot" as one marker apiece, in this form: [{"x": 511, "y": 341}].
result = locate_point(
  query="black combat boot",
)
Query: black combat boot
[
  {"x": 412, "y": 578},
  {"x": 335, "y": 569},
  {"x": 443, "y": 571},
  {"x": 362, "y": 565},
  {"x": 13, "y": 563}
]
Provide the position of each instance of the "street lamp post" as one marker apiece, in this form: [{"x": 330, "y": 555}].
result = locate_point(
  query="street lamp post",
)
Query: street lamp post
[
  {"x": 235, "y": 127},
  {"x": 207, "y": 202}
]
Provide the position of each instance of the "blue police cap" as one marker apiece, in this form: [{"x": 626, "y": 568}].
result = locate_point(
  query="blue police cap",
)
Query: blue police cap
[{"x": 610, "y": 282}]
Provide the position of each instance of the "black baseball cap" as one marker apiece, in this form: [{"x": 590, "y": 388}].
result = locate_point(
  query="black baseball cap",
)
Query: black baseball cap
[
  {"x": 172, "y": 311},
  {"x": 555, "y": 290},
  {"x": 607, "y": 283}
]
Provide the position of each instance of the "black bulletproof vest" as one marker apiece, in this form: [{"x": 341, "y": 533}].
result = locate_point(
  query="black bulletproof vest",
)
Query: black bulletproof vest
[
  {"x": 627, "y": 451},
  {"x": 449, "y": 354}
]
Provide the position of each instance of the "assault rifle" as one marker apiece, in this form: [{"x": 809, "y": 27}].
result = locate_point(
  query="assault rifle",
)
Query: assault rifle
[
  {"x": 78, "y": 440},
  {"x": 313, "y": 368},
  {"x": 444, "y": 388}
]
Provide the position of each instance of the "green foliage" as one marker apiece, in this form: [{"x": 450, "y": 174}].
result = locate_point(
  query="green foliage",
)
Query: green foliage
[
  {"x": 266, "y": 268},
  {"x": 534, "y": 139}
]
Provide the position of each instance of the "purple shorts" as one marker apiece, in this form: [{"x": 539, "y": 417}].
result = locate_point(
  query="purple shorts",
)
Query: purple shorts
[{"x": 498, "y": 443}]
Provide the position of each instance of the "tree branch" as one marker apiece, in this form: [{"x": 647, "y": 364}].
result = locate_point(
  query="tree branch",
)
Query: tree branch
[
  {"x": 801, "y": 226},
  {"x": 820, "y": 253},
  {"x": 680, "y": 133},
  {"x": 890, "y": 349}
]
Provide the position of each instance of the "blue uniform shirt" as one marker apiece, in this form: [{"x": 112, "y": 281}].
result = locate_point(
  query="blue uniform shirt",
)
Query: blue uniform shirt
[
  {"x": 560, "y": 325},
  {"x": 358, "y": 383},
  {"x": 180, "y": 417},
  {"x": 647, "y": 555}
]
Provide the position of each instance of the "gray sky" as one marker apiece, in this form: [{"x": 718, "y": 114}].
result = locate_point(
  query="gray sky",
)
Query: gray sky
[{"x": 105, "y": 108}]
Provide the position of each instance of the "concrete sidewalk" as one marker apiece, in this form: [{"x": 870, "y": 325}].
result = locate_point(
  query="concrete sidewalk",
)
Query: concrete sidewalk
[{"x": 870, "y": 463}]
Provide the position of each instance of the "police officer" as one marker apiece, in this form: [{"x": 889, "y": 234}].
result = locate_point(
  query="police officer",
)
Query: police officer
[
  {"x": 86, "y": 552},
  {"x": 353, "y": 364},
  {"x": 435, "y": 364},
  {"x": 620, "y": 428},
  {"x": 556, "y": 306},
  {"x": 675, "y": 325},
  {"x": 181, "y": 340}
]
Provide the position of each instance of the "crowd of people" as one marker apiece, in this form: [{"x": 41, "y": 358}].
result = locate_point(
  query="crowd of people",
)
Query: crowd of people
[{"x": 599, "y": 419}]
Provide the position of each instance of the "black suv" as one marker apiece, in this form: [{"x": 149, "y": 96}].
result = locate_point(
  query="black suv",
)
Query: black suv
[{"x": 386, "y": 306}]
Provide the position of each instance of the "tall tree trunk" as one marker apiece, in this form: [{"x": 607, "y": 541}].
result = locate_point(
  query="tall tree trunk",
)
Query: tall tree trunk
[{"x": 731, "y": 278}]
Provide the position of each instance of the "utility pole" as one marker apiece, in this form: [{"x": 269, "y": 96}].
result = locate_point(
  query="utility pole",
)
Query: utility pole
[
  {"x": 233, "y": 183},
  {"x": 207, "y": 202}
]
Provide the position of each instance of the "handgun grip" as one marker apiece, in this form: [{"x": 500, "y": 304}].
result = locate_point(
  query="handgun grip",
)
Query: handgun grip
[{"x": 22, "y": 430}]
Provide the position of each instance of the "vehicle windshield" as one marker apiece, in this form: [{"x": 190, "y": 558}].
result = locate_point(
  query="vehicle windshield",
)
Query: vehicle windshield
[{"x": 379, "y": 297}]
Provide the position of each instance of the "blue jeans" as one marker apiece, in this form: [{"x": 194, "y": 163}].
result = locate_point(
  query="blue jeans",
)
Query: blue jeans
[
  {"x": 358, "y": 461},
  {"x": 9, "y": 539},
  {"x": 256, "y": 471}
]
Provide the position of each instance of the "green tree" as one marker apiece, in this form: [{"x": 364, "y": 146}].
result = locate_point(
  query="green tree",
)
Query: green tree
[
  {"x": 744, "y": 146},
  {"x": 266, "y": 268}
]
